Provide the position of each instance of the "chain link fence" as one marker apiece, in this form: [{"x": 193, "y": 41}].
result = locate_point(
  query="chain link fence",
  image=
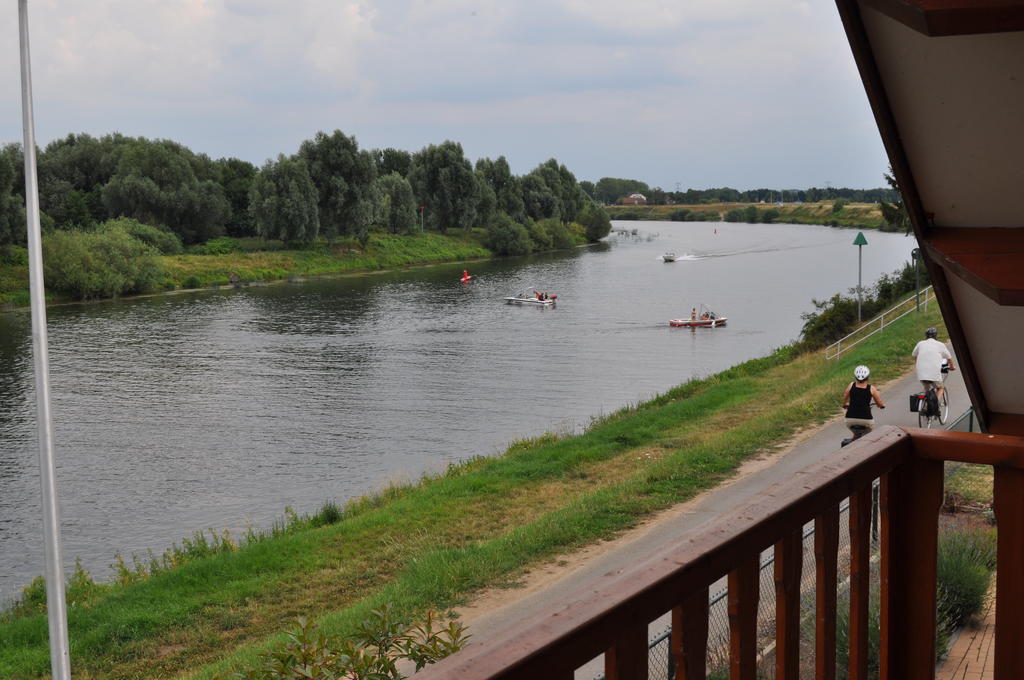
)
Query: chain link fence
[{"x": 968, "y": 489}]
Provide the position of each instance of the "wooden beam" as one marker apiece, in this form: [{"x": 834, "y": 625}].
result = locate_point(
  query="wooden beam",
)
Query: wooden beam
[
  {"x": 690, "y": 637},
  {"x": 954, "y": 17},
  {"x": 987, "y": 258},
  {"x": 788, "y": 567},
  {"x": 744, "y": 591},
  {"x": 860, "y": 583},
  {"x": 826, "y": 551},
  {"x": 1009, "y": 508},
  {"x": 968, "y": 447},
  {"x": 910, "y": 498}
]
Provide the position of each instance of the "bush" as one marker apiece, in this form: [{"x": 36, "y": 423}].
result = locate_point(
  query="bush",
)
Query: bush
[
  {"x": 505, "y": 236},
  {"x": 163, "y": 240},
  {"x": 100, "y": 264},
  {"x": 595, "y": 221},
  {"x": 539, "y": 233},
  {"x": 372, "y": 652},
  {"x": 835, "y": 317},
  {"x": 679, "y": 215},
  {"x": 966, "y": 560},
  {"x": 223, "y": 245},
  {"x": 561, "y": 236}
]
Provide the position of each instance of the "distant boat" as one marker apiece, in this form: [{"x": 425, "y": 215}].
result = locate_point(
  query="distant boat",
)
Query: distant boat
[
  {"x": 697, "y": 323},
  {"x": 669, "y": 257},
  {"x": 525, "y": 299},
  {"x": 706, "y": 318}
]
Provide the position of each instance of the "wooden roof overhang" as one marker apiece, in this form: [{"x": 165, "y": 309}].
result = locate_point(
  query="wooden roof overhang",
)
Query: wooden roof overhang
[{"x": 945, "y": 80}]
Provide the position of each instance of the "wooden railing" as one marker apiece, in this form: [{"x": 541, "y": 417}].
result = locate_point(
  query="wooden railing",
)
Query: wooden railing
[{"x": 612, "y": 617}]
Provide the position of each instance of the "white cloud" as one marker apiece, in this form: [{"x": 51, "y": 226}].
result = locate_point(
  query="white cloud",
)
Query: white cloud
[{"x": 589, "y": 79}]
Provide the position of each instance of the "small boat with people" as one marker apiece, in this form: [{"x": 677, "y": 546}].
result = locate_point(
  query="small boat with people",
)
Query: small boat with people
[
  {"x": 669, "y": 257},
  {"x": 537, "y": 298},
  {"x": 705, "y": 317}
]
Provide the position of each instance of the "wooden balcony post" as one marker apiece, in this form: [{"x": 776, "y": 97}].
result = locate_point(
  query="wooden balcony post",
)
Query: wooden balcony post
[
  {"x": 826, "y": 551},
  {"x": 744, "y": 586},
  {"x": 911, "y": 496},
  {"x": 627, "y": 660},
  {"x": 860, "y": 581},
  {"x": 690, "y": 637},
  {"x": 1009, "y": 507},
  {"x": 789, "y": 558}
]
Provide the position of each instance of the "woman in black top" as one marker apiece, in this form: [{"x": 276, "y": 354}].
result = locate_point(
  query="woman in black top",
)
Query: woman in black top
[{"x": 857, "y": 399}]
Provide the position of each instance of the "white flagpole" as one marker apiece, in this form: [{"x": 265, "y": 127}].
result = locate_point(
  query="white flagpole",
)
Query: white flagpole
[{"x": 56, "y": 605}]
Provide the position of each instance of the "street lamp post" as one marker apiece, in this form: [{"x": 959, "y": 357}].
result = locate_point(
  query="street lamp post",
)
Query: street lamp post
[{"x": 860, "y": 242}]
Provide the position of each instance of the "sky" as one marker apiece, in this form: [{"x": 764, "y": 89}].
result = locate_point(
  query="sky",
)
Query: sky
[{"x": 682, "y": 94}]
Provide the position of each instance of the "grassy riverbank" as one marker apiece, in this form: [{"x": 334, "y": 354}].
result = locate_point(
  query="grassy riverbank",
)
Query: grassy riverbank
[
  {"x": 858, "y": 215},
  {"x": 251, "y": 260},
  {"x": 433, "y": 543}
]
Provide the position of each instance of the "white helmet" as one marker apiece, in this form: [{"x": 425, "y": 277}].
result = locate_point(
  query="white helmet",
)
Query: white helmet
[{"x": 861, "y": 373}]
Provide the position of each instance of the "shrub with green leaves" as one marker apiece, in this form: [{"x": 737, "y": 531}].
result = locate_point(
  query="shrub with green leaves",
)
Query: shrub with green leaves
[
  {"x": 103, "y": 263},
  {"x": 163, "y": 240},
  {"x": 505, "y": 236},
  {"x": 966, "y": 560},
  {"x": 373, "y": 652},
  {"x": 223, "y": 245}
]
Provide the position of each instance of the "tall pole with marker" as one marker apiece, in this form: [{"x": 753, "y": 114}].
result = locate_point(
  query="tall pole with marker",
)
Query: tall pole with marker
[
  {"x": 860, "y": 242},
  {"x": 56, "y": 604}
]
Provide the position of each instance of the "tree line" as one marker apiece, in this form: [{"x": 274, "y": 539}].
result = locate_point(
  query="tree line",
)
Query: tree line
[
  {"x": 611, "y": 190},
  {"x": 328, "y": 189}
]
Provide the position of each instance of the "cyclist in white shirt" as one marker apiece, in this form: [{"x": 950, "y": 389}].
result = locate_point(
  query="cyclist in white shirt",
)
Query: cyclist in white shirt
[{"x": 930, "y": 354}]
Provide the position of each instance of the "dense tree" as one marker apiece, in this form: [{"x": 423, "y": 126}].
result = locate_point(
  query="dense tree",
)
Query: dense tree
[
  {"x": 609, "y": 190},
  {"x": 589, "y": 188},
  {"x": 343, "y": 176},
  {"x": 398, "y": 206},
  {"x": 235, "y": 177},
  {"x": 508, "y": 189},
  {"x": 563, "y": 185},
  {"x": 12, "y": 207},
  {"x": 283, "y": 201},
  {"x": 72, "y": 174},
  {"x": 443, "y": 181},
  {"x": 156, "y": 183},
  {"x": 392, "y": 160},
  {"x": 595, "y": 221},
  {"x": 539, "y": 201}
]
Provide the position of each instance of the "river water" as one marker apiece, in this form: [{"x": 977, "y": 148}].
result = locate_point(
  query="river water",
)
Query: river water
[{"x": 217, "y": 409}]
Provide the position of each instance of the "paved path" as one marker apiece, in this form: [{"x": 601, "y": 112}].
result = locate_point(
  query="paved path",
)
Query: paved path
[{"x": 498, "y": 611}]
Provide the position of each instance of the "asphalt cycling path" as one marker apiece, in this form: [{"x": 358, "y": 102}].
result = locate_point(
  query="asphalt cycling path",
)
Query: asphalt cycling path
[{"x": 492, "y": 613}]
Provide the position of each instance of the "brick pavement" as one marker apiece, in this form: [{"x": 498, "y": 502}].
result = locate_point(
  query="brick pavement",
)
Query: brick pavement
[{"x": 972, "y": 655}]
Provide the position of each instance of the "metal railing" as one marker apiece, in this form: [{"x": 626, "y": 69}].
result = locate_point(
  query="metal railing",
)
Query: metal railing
[{"x": 879, "y": 323}]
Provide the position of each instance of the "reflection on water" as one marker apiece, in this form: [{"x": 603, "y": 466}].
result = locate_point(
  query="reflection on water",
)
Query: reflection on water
[{"x": 219, "y": 409}]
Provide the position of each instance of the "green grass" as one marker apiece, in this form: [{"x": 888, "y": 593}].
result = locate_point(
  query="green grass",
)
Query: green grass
[
  {"x": 270, "y": 261},
  {"x": 382, "y": 251},
  {"x": 860, "y": 215},
  {"x": 431, "y": 544}
]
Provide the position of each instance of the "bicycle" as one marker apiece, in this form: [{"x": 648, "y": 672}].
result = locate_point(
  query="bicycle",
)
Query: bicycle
[{"x": 932, "y": 408}]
